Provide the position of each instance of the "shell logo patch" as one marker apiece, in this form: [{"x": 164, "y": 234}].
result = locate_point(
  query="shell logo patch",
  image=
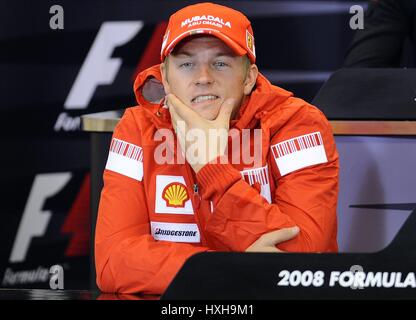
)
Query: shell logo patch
[
  {"x": 175, "y": 195},
  {"x": 172, "y": 196}
]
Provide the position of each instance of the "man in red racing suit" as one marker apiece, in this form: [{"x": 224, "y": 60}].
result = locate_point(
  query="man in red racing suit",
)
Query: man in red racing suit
[{"x": 159, "y": 205}]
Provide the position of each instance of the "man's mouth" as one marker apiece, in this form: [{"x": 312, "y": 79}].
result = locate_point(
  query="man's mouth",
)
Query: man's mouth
[{"x": 203, "y": 98}]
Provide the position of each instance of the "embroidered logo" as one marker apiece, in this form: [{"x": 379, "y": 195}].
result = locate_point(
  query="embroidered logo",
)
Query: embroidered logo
[
  {"x": 172, "y": 196},
  {"x": 259, "y": 176},
  {"x": 175, "y": 195},
  {"x": 205, "y": 19},
  {"x": 250, "y": 43},
  {"x": 175, "y": 232},
  {"x": 299, "y": 152},
  {"x": 125, "y": 158}
]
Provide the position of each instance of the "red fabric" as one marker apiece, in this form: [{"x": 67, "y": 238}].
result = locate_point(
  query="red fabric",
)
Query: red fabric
[{"x": 227, "y": 210}]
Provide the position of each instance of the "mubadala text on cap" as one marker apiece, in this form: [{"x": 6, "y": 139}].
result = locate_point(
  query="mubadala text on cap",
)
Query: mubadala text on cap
[{"x": 219, "y": 22}]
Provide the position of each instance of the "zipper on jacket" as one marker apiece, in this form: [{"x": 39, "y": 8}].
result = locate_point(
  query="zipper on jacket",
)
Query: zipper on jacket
[
  {"x": 196, "y": 201},
  {"x": 196, "y": 196}
]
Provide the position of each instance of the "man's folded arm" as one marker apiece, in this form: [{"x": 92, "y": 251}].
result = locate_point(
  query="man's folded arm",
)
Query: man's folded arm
[
  {"x": 127, "y": 257},
  {"x": 306, "y": 197}
]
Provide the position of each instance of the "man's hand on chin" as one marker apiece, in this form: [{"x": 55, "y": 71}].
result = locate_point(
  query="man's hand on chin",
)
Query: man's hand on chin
[{"x": 201, "y": 140}]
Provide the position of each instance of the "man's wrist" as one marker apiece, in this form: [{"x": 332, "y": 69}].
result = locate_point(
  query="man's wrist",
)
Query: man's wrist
[{"x": 215, "y": 178}]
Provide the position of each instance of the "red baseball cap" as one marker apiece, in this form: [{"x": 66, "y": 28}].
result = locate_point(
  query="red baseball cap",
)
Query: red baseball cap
[{"x": 228, "y": 25}]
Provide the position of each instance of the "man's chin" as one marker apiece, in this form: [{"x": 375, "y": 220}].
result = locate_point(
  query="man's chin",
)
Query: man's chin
[
  {"x": 208, "y": 112},
  {"x": 208, "y": 115}
]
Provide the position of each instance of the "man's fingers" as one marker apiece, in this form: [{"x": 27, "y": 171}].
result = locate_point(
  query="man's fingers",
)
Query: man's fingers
[
  {"x": 226, "y": 110},
  {"x": 174, "y": 116},
  {"x": 281, "y": 235},
  {"x": 268, "y": 241},
  {"x": 181, "y": 109},
  {"x": 256, "y": 248}
]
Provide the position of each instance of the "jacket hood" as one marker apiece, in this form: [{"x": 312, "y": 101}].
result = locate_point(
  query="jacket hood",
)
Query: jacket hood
[{"x": 264, "y": 98}]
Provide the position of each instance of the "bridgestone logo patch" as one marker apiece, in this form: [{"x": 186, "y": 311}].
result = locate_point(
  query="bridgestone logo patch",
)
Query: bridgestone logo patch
[{"x": 175, "y": 232}]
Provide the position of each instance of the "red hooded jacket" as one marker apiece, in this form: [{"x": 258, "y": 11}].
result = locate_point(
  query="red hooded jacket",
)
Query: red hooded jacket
[{"x": 152, "y": 216}]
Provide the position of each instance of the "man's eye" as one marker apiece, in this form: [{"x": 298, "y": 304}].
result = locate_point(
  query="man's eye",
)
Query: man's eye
[
  {"x": 220, "y": 64},
  {"x": 186, "y": 65}
]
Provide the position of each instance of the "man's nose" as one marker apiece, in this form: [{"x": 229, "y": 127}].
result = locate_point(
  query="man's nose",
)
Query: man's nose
[{"x": 203, "y": 75}]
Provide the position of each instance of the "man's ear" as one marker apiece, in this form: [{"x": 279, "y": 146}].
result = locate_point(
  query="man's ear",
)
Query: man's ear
[
  {"x": 251, "y": 78},
  {"x": 163, "y": 71}
]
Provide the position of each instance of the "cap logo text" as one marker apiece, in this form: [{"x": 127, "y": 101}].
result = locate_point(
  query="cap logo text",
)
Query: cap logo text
[{"x": 205, "y": 19}]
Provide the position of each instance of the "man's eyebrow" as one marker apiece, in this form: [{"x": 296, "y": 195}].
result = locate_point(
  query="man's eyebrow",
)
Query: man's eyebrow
[
  {"x": 225, "y": 54},
  {"x": 182, "y": 53},
  {"x": 219, "y": 54}
]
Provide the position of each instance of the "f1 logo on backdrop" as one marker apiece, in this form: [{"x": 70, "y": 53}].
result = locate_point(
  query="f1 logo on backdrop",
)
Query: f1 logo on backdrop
[
  {"x": 98, "y": 69},
  {"x": 35, "y": 220}
]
